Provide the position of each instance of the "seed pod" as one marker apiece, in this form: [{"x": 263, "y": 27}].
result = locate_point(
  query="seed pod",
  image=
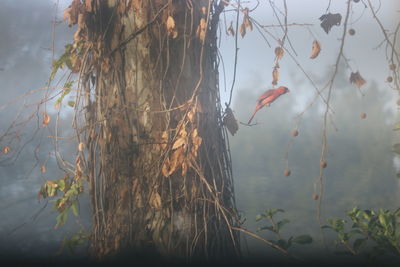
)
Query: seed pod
[
  {"x": 294, "y": 132},
  {"x": 363, "y": 115},
  {"x": 352, "y": 31},
  {"x": 392, "y": 66},
  {"x": 389, "y": 79},
  {"x": 315, "y": 196},
  {"x": 286, "y": 172}
]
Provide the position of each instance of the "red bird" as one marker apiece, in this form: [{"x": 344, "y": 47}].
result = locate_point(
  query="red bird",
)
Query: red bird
[{"x": 268, "y": 97}]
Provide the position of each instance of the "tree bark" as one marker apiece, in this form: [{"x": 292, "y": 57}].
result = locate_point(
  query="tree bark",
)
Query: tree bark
[{"x": 158, "y": 164}]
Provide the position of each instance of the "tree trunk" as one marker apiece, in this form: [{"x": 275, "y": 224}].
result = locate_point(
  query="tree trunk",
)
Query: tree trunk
[{"x": 158, "y": 164}]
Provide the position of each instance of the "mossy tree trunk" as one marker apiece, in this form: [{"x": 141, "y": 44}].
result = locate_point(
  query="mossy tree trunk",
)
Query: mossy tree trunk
[{"x": 158, "y": 164}]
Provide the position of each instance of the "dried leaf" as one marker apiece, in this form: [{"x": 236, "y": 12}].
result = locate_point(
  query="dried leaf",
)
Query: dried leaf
[
  {"x": 6, "y": 149},
  {"x": 279, "y": 52},
  {"x": 81, "y": 146},
  {"x": 71, "y": 13},
  {"x": 171, "y": 27},
  {"x": 164, "y": 139},
  {"x": 231, "y": 31},
  {"x": 329, "y": 20},
  {"x": 184, "y": 168},
  {"x": 179, "y": 142},
  {"x": 242, "y": 30},
  {"x": 165, "y": 168},
  {"x": 316, "y": 48},
  {"x": 201, "y": 29},
  {"x": 43, "y": 169},
  {"x": 246, "y": 19},
  {"x": 275, "y": 76},
  {"x": 46, "y": 119},
  {"x": 89, "y": 5},
  {"x": 357, "y": 79},
  {"x": 230, "y": 121},
  {"x": 155, "y": 201}
]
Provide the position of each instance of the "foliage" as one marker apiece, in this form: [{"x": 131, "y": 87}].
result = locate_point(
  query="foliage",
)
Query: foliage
[
  {"x": 380, "y": 229},
  {"x": 69, "y": 189},
  {"x": 276, "y": 226}
]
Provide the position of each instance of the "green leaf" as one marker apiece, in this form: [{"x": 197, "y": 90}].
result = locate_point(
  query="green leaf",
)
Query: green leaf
[
  {"x": 303, "y": 239},
  {"x": 359, "y": 243},
  {"x": 259, "y": 217},
  {"x": 62, "y": 218},
  {"x": 270, "y": 228},
  {"x": 280, "y": 224},
  {"x": 71, "y": 104},
  {"x": 74, "y": 207}
]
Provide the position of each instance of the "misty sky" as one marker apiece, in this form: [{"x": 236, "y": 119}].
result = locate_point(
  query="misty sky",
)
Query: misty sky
[{"x": 361, "y": 169}]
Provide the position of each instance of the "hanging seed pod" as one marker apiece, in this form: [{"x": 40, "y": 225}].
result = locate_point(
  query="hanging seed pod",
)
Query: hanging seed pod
[
  {"x": 389, "y": 79},
  {"x": 363, "y": 115},
  {"x": 286, "y": 172},
  {"x": 315, "y": 196},
  {"x": 352, "y": 32},
  {"x": 294, "y": 132},
  {"x": 323, "y": 164}
]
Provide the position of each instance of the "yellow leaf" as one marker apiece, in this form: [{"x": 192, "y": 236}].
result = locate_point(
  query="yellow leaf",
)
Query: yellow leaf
[
  {"x": 46, "y": 119},
  {"x": 316, "y": 48},
  {"x": 81, "y": 146},
  {"x": 171, "y": 27}
]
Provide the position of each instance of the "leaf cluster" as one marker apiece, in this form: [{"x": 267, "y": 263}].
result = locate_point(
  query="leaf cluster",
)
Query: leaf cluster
[
  {"x": 276, "y": 227},
  {"x": 380, "y": 229}
]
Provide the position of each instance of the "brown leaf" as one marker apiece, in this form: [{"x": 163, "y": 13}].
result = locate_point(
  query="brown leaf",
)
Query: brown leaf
[
  {"x": 46, "y": 119},
  {"x": 230, "y": 121},
  {"x": 171, "y": 27},
  {"x": 356, "y": 79},
  {"x": 81, "y": 146},
  {"x": 179, "y": 142},
  {"x": 71, "y": 13},
  {"x": 275, "y": 76},
  {"x": 231, "y": 31},
  {"x": 201, "y": 29},
  {"x": 164, "y": 139},
  {"x": 184, "y": 168},
  {"x": 246, "y": 19},
  {"x": 89, "y": 5},
  {"x": 242, "y": 30},
  {"x": 6, "y": 149},
  {"x": 155, "y": 201},
  {"x": 316, "y": 48},
  {"x": 165, "y": 168},
  {"x": 279, "y": 52}
]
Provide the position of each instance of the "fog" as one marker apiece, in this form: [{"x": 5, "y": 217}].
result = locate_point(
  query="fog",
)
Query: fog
[{"x": 361, "y": 166}]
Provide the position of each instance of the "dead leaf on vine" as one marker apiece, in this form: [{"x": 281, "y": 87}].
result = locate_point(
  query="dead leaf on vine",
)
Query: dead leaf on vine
[
  {"x": 275, "y": 76},
  {"x": 43, "y": 169},
  {"x": 316, "y": 48},
  {"x": 231, "y": 31},
  {"x": 179, "y": 142},
  {"x": 81, "y": 146},
  {"x": 201, "y": 29},
  {"x": 155, "y": 201},
  {"x": 329, "y": 20},
  {"x": 184, "y": 168},
  {"x": 279, "y": 52},
  {"x": 230, "y": 121},
  {"x": 71, "y": 13},
  {"x": 171, "y": 27},
  {"x": 246, "y": 19},
  {"x": 46, "y": 119},
  {"x": 357, "y": 79},
  {"x": 242, "y": 30},
  {"x": 164, "y": 139},
  {"x": 6, "y": 149},
  {"x": 89, "y": 5}
]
